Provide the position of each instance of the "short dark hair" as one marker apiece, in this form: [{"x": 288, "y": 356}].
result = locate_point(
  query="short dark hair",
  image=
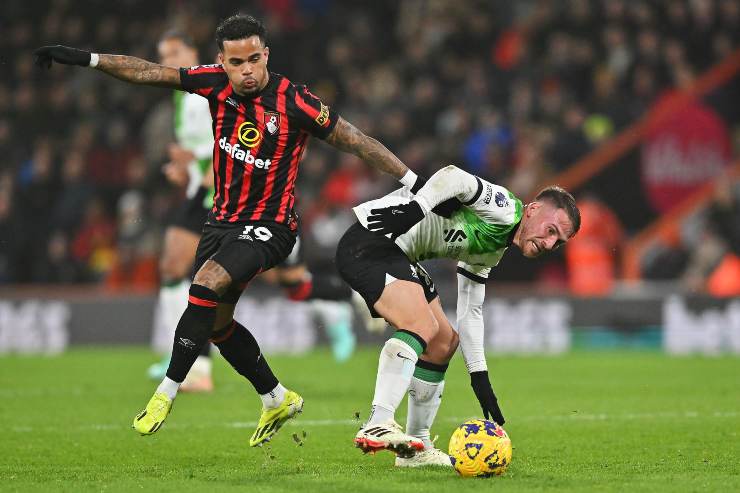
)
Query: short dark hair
[
  {"x": 239, "y": 26},
  {"x": 561, "y": 199},
  {"x": 178, "y": 34}
]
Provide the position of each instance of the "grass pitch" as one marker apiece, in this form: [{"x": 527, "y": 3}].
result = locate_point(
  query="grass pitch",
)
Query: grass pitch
[{"x": 582, "y": 422}]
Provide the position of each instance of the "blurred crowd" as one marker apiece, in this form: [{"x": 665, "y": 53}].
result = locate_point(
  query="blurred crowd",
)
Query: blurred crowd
[{"x": 515, "y": 92}]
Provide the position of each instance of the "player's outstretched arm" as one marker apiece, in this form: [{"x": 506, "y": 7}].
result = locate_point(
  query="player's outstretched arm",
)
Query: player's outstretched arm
[
  {"x": 448, "y": 184},
  {"x": 346, "y": 137},
  {"x": 126, "y": 68},
  {"x": 471, "y": 292}
]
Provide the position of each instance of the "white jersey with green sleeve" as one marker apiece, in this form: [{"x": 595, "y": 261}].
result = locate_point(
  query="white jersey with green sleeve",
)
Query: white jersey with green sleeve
[
  {"x": 476, "y": 235},
  {"x": 193, "y": 131}
]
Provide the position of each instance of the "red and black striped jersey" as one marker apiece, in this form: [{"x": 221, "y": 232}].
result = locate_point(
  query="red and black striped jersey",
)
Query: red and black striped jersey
[{"x": 258, "y": 142}]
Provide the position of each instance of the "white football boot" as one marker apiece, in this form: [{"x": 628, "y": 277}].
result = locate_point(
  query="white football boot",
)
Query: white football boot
[
  {"x": 427, "y": 457},
  {"x": 387, "y": 436}
]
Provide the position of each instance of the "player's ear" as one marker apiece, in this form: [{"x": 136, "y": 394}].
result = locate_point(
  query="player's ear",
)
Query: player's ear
[
  {"x": 532, "y": 208},
  {"x": 266, "y": 53},
  {"x": 220, "y": 58}
]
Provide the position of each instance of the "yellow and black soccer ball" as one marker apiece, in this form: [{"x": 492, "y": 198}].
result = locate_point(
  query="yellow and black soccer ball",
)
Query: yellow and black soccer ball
[{"x": 480, "y": 448}]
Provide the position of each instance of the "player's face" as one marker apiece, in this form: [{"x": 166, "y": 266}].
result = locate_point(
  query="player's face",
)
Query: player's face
[
  {"x": 245, "y": 62},
  {"x": 544, "y": 228},
  {"x": 174, "y": 53}
]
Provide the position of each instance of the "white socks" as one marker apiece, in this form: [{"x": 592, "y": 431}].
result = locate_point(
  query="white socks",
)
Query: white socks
[
  {"x": 169, "y": 387},
  {"x": 273, "y": 398},
  {"x": 424, "y": 400},
  {"x": 395, "y": 368}
]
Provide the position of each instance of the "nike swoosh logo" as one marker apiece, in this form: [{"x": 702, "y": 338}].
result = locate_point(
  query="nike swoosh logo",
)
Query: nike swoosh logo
[
  {"x": 396, "y": 211},
  {"x": 402, "y": 356}
]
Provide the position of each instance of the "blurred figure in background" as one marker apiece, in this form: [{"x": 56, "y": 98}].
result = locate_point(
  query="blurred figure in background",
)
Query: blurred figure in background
[
  {"x": 592, "y": 255},
  {"x": 724, "y": 219},
  {"x": 189, "y": 168},
  {"x": 714, "y": 265}
]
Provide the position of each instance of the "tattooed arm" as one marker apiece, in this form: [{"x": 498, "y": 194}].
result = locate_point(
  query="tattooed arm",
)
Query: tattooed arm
[
  {"x": 138, "y": 71},
  {"x": 346, "y": 137},
  {"x": 126, "y": 68}
]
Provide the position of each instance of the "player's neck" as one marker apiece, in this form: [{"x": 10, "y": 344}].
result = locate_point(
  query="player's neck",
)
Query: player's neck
[{"x": 516, "y": 239}]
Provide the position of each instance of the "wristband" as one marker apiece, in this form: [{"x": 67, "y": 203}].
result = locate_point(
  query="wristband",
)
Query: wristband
[
  {"x": 94, "y": 59},
  {"x": 408, "y": 179}
]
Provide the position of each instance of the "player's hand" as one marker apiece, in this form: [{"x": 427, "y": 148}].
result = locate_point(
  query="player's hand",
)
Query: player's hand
[
  {"x": 61, "y": 54},
  {"x": 487, "y": 399},
  {"x": 176, "y": 174},
  {"x": 396, "y": 219},
  {"x": 180, "y": 155},
  {"x": 444, "y": 209}
]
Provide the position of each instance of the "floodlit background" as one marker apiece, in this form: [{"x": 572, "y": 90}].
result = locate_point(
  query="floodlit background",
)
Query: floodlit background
[{"x": 633, "y": 106}]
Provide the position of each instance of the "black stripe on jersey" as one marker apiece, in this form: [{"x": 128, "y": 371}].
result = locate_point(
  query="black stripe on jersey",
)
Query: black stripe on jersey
[
  {"x": 284, "y": 187},
  {"x": 471, "y": 276},
  {"x": 282, "y": 177},
  {"x": 242, "y": 171},
  {"x": 227, "y": 120},
  {"x": 477, "y": 193},
  {"x": 267, "y": 148}
]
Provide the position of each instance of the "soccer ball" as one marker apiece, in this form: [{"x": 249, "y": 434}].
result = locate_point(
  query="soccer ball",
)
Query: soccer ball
[{"x": 480, "y": 448}]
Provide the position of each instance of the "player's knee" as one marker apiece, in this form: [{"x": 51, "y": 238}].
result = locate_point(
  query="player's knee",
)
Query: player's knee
[
  {"x": 213, "y": 277},
  {"x": 224, "y": 316},
  {"x": 426, "y": 327},
  {"x": 451, "y": 346},
  {"x": 203, "y": 296}
]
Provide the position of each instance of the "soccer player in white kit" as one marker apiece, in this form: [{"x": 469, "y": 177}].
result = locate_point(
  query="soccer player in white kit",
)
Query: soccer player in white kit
[
  {"x": 454, "y": 215},
  {"x": 190, "y": 167}
]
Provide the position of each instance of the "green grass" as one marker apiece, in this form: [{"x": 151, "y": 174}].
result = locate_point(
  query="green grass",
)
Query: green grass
[{"x": 583, "y": 422}]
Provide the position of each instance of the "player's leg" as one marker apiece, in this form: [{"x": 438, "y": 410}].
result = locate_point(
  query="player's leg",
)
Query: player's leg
[
  {"x": 377, "y": 269},
  {"x": 328, "y": 297},
  {"x": 192, "y": 333},
  {"x": 176, "y": 270},
  {"x": 218, "y": 247},
  {"x": 425, "y": 391},
  {"x": 239, "y": 347},
  {"x": 178, "y": 254},
  {"x": 244, "y": 257},
  {"x": 300, "y": 284}
]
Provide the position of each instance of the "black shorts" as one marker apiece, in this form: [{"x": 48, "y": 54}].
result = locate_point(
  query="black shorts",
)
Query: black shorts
[
  {"x": 368, "y": 262},
  {"x": 191, "y": 215},
  {"x": 244, "y": 250}
]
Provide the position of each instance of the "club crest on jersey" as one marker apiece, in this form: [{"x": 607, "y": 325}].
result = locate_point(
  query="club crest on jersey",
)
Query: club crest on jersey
[
  {"x": 501, "y": 200},
  {"x": 249, "y": 136},
  {"x": 272, "y": 122}
]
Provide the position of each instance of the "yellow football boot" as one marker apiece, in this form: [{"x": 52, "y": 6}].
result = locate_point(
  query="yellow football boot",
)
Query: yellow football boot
[
  {"x": 272, "y": 420},
  {"x": 151, "y": 418}
]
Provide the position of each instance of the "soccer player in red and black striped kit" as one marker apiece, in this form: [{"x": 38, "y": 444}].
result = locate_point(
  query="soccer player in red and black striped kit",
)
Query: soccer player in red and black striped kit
[{"x": 261, "y": 124}]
